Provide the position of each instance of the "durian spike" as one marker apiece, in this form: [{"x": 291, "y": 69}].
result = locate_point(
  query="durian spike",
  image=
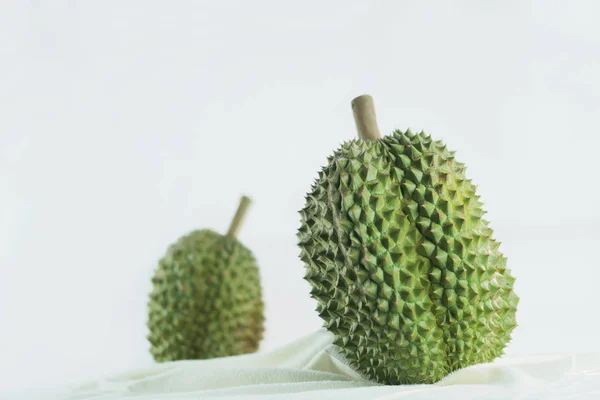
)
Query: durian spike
[
  {"x": 363, "y": 109},
  {"x": 240, "y": 215}
]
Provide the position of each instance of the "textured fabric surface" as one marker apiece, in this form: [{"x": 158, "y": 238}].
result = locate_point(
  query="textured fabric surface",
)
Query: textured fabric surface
[{"x": 311, "y": 368}]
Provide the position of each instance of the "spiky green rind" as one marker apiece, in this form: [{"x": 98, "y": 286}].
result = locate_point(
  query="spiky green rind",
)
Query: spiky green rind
[
  {"x": 206, "y": 300},
  {"x": 404, "y": 268}
]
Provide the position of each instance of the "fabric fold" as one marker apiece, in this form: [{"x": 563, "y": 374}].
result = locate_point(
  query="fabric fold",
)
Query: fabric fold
[{"x": 312, "y": 368}]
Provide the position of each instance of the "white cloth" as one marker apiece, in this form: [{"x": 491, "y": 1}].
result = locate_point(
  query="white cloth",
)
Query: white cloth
[{"x": 310, "y": 368}]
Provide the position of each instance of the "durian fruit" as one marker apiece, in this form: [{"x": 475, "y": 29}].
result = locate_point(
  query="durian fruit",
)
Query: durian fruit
[
  {"x": 206, "y": 300},
  {"x": 404, "y": 268}
]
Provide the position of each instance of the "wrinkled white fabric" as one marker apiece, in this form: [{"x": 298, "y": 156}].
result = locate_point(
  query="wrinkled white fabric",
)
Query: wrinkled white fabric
[{"x": 310, "y": 368}]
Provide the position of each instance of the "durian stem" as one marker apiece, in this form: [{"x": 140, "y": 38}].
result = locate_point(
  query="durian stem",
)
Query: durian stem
[
  {"x": 240, "y": 215},
  {"x": 363, "y": 109}
]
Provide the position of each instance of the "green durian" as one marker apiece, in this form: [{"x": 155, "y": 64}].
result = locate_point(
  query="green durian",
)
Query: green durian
[
  {"x": 404, "y": 268},
  {"x": 206, "y": 300}
]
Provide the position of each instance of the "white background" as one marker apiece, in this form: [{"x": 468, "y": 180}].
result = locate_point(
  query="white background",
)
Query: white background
[{"x": 125, "y": 124}]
